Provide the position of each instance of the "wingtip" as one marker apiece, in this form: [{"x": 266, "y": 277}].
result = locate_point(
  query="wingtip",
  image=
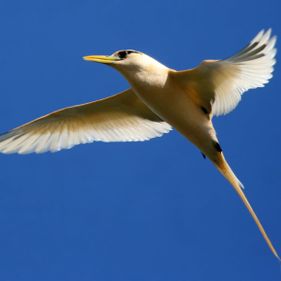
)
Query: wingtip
[
  {"x": 258, "y": 36},
  {"x": 263, "y": 35},
  {"x": 268, "y": 32}
]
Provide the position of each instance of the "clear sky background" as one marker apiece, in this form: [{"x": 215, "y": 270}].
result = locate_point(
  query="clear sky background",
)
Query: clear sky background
[{"x": 134, "y": 211}]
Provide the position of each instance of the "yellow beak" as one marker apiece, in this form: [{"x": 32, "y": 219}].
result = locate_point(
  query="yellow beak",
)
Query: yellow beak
[{"x": 101, "y": 59}]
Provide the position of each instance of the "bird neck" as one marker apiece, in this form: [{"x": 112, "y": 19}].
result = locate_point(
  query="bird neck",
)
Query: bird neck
[{"x": 153, "y": 75}]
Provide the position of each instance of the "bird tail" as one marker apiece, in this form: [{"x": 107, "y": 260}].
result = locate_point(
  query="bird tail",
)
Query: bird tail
[{"x": 227, "y": 172}]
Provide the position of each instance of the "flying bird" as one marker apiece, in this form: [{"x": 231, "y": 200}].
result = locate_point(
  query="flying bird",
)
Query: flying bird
[{"x": 159, "y": 99}]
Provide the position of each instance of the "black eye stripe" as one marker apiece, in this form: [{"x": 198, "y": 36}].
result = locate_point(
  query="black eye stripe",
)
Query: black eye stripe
[
  {"x": 125, "y": 53},
  {"x": 122, "y": 54}
]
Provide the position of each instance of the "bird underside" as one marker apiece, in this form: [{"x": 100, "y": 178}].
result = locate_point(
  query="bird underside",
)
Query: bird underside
[{"x": 187, "y": 102}]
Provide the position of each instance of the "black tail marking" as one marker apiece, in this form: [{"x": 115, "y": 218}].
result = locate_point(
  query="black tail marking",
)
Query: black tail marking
[{"x": 217, "y": 146}]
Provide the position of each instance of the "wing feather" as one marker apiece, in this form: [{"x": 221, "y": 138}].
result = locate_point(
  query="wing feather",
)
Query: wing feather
[
  {"x": 220, "y": 83},
  {"x": 122, "y": 117}
]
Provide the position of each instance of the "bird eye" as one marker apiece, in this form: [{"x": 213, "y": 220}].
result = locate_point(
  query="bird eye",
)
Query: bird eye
[
  {"x": 122, "y": 54},
  {"x": 125, "y": 53}
]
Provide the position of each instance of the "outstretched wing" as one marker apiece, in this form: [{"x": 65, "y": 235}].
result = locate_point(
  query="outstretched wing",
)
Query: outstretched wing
[
  {"x": 122, "y": 117},
  {"x": 218, "y": 85}
]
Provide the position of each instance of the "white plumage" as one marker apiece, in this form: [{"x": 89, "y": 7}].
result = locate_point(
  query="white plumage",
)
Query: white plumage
[
  {"x": 221, "y": 83},
  {"x": 251, "y": 68},
  {"x": 120, "y": 118},
  {"x": 160, "y": 98}
]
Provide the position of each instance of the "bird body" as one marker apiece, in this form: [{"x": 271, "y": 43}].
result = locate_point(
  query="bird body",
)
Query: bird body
[
  {"x": 159, "y": 99},
  {"x": 175, "y": 106},
  {"x": 160, "y": 89}
]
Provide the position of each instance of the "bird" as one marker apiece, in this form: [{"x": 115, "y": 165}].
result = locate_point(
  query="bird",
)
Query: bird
[{"x": 160, "y": 99}]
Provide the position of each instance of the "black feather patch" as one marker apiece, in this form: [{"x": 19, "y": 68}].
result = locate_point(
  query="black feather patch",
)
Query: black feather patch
[
  {"x": 204, "y": 156},
  {"x": 217, "y": 146},
  {"x": 204, "y": 110}
]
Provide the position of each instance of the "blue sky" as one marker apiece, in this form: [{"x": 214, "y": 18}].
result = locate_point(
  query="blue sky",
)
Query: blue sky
[{"x": 134, "y": 211}]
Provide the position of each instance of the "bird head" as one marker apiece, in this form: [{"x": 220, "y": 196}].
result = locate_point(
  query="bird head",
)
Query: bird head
[
  {"x": 129, "y": 62},
  {"x": 119, "y": 58}
]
